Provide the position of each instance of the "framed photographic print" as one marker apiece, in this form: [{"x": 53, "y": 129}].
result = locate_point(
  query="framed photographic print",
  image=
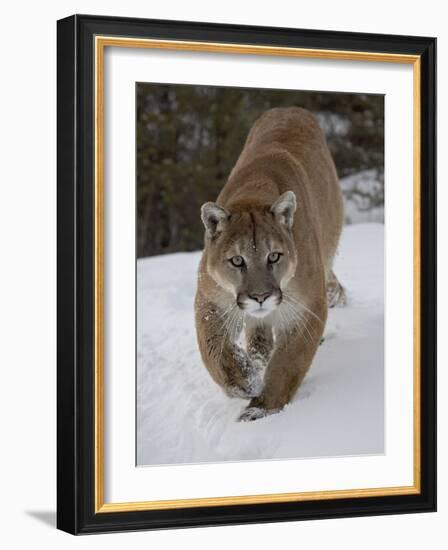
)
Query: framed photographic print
[{"x": 246, "y": 274}]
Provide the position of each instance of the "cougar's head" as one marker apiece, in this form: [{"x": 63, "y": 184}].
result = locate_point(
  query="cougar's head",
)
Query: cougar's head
[{"x": 251, "y": 253}]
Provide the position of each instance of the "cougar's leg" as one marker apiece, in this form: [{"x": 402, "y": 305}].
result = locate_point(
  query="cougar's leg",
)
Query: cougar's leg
[
  {"x": 229, "y": 365},
  {"x": 259, "y": 345},
  {"x": 287, "y": 367}
]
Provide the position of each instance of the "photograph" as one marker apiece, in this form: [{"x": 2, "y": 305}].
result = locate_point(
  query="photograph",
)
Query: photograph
[{"x": 259, "y": 274}]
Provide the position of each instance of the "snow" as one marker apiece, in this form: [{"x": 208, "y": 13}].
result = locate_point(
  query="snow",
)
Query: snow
[
  {"x": 357, "y": 209},
  {"x": 184, "y": 417}
]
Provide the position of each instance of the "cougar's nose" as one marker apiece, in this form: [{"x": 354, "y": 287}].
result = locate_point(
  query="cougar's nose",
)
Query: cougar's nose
[{"x": 260, "y": 297}]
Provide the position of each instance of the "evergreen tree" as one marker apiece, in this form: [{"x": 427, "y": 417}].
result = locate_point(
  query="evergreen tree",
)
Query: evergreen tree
[{"x": 189, "y": 138}]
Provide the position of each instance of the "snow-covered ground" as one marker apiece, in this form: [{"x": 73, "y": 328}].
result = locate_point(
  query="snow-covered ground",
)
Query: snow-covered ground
[{"x": 184, "y": 417}]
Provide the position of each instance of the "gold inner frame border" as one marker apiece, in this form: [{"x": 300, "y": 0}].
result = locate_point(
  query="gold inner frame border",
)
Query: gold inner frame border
[{"x": 100, "y": 43}]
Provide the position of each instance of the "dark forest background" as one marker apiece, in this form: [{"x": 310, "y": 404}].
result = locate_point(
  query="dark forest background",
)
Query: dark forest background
[{"x": 189, "y": 138}]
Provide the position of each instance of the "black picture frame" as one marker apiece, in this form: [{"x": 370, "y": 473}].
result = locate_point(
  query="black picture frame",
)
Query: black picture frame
[{"x": 76, "y": 271}]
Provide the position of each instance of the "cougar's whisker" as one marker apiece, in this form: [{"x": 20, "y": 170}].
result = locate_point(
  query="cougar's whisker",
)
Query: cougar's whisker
[{"x": 300, "y": 304}]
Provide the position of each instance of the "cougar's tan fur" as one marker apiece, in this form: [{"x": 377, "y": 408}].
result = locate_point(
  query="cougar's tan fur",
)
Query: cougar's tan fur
[{"x": 259, "y": 322}]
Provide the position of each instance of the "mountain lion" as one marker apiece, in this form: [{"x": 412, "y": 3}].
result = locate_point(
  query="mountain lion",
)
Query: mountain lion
[{"x": 265, "y": 278}]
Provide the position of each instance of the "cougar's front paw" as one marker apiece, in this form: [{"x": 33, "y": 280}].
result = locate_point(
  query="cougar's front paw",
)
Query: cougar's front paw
[{"x": 254, "y": 413}]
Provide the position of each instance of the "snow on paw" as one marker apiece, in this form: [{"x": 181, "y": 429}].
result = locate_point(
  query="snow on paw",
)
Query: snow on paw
[
  {"x": 236, "y": 391},
  {"x": 255, "y": 378},
  {"x": 254, "y": 413}
]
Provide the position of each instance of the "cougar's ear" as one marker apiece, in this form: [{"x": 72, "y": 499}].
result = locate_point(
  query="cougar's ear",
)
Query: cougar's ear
[
  {"x": 284, "y": 208},
  {"x": 214, "y": 218}
]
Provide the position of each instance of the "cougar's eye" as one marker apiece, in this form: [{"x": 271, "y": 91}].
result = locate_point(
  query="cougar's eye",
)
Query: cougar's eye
[
  {"x": 237, "y": 261},
  {"x": 274, "y": 257}
]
